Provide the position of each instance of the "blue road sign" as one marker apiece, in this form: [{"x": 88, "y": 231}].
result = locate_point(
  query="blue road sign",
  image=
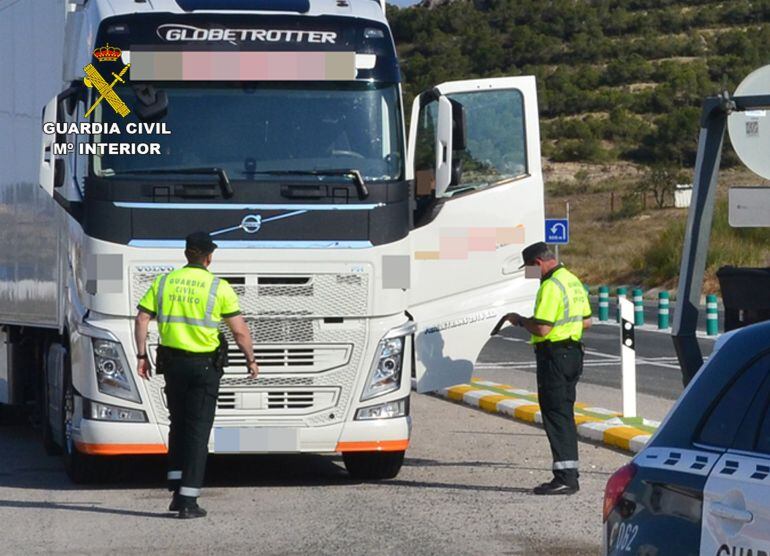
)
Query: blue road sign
[{"x": 557, "y": 231}]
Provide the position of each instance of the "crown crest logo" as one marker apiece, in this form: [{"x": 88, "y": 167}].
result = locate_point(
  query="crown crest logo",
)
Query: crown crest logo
[{"x": 107, "y": 53}]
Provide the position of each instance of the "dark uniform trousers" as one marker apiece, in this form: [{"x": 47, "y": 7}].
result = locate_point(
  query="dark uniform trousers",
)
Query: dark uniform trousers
[
  {"x": 192, "y": 385},
  {"x": 559, "y": 366}
]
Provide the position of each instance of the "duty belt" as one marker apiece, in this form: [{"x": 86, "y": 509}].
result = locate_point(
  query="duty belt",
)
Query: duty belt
[
  {"x": 548, "y": 344},
  {"x": 175, "y": 352}
]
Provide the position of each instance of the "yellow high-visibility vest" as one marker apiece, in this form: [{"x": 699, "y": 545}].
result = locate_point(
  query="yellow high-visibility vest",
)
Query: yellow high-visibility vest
[
  {"x": 562, "y": 302},
  {"x": 189, "y": 303}
]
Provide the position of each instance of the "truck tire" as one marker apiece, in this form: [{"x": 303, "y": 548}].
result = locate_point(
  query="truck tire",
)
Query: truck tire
[
  {"x": 51, "y": 444},
  {"x": 373, "y": 466},
  {"x": 80, "y": 468}
]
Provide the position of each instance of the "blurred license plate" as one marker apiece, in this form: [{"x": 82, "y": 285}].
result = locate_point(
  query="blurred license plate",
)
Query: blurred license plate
[{"x": 255, "y": 439}]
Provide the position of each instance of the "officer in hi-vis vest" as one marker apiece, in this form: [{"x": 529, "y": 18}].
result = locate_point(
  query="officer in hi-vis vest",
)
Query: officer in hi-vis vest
[
  {"x": 189, "y": 303},
  {"x": 562, "y": 311}
]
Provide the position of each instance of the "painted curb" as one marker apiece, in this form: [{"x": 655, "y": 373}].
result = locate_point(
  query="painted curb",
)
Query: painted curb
[{"x": 593, "y": 423}]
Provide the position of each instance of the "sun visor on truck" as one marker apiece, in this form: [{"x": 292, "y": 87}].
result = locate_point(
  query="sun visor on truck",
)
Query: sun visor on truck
[
  {"x": 232, "y": 47},
  {"x": 300, "y": 6},
  {"x": 242, "y": 66}
]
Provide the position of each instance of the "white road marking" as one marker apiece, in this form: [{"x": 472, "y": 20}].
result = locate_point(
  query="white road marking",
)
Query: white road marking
[{"x": 666, "y": 362}]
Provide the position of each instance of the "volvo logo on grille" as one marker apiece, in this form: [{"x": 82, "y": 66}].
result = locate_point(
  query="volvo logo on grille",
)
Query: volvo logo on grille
[
  {"x": 154, "y": 269},
  {"x": 251, "y": 223}
]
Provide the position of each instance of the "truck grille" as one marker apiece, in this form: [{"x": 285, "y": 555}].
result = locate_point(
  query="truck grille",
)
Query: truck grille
[
  {"x": 289, "y": 359},
  {"x": 314, "y": 295},
  {"x": 270, "y": 401},
  {"x": 308, "y": 362},
  {"x": 299, "y": 384}
]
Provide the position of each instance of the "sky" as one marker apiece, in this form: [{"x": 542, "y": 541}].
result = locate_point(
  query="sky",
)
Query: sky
[{"x": 403, "y": 2}]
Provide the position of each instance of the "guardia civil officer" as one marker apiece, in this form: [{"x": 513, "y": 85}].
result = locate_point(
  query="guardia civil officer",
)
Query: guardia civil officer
[
  {"x": 189, "y": 303},
  {"x": 562, "y": 311}
]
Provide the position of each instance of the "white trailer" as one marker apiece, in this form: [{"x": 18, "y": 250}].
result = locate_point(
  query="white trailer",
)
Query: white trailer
[{"x": 360, "y": 263}]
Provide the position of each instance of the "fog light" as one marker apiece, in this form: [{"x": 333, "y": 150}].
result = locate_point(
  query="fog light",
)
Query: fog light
[
  {"x": 97, "y": 411},
  {"x": 388, "y": 410}
]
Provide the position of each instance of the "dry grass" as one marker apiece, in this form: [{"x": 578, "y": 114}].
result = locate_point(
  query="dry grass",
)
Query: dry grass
[{"x": 642, "y": 249}]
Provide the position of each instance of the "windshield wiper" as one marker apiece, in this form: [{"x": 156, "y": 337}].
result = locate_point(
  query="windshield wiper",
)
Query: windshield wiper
[
  {"x": 224, "y": 181},
  {"x": 363, "y": 191}
]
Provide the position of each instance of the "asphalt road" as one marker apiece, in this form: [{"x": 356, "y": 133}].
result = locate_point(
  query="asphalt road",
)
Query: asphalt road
[
  {"x": 658, "y": 372},
  {"x": 465, "y": 489}
]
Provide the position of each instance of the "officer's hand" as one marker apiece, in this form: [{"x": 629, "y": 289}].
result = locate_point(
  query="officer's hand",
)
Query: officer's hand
[
  {"x": 144, "y": 369},
  {"x": 253, "y": 369},
  {"x": 514, "y": 319}
]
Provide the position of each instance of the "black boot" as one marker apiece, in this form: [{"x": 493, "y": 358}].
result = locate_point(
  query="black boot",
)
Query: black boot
[
  {"x": 189, "y": 508},
  {"x": 556, "y": 487},
  {"x": 176, "y": 503}
]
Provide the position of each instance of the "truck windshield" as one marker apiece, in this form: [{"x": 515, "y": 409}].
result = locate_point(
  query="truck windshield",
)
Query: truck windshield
[{"x": 254, "y": 129}]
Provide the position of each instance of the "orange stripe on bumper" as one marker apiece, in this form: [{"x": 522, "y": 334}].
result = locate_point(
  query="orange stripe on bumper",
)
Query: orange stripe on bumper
[
  {"x": 375, "y": 446},
  {"x": 120, "y": 449}
]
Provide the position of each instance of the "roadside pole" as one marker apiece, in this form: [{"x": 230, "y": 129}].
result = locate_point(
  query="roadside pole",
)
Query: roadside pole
[
  {"x": 712, "y": 315},
  {"x": 622, "y": 291},
  {"x": 638, "y": 307},
  {"x": 604, "y": 303},
  {"x": 663, "y": 305},
  {"x": 628, "y": 356}
]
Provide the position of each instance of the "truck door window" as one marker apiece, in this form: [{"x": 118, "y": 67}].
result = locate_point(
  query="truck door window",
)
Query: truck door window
[{"x": 495, "y": 142}]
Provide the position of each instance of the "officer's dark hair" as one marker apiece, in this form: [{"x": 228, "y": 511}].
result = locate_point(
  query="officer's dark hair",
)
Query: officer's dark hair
[{"x": 195, "y": 257}]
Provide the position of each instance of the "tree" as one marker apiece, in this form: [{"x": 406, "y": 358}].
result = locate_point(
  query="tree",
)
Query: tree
[{"x": 661, "y": 181}]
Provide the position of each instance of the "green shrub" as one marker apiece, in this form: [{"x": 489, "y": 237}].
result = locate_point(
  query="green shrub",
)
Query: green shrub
[{"x": 747, "y": 247}]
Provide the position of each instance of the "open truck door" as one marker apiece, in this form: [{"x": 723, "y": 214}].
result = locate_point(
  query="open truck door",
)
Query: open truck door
[{"x": 474, "y": 147}]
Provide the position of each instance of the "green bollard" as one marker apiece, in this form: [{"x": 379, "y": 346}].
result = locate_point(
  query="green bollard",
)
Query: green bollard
[
  {"x": 712, "y": 315},
  {"x": 604, "y": 303},
  {"x": 622, "y": 291},
  {"x": 638, "y": 307},
  {"x": 663, "y": 310}
]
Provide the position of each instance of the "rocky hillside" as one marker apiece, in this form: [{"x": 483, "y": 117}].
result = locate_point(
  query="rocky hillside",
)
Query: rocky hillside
[{"x": 618, "y": 79}]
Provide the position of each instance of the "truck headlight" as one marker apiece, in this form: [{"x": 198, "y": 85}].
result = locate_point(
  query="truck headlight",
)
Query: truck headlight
[
  {"x": 112, "y": 372},
  {"x": 385, "y": 375},
  {"x": 387, "y": 410}
]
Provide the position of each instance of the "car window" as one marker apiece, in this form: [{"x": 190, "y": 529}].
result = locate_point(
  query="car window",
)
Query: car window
[
  {"x": 722, "y": 423},
  {"x": 763, "y": 438},
  {"x": 748, "y": 432}
]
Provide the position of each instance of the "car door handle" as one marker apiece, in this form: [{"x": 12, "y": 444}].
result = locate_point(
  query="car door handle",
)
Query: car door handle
[{"x": 728, "y": 512}]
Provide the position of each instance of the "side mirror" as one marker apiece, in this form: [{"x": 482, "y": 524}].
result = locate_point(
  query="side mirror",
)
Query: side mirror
[
  {"x": 68, "y": 99},
  {"x": 459, "y": 129},
  {"x": 48, "y": 162},
  {"x": 450, "y": 136},
  {"x": 52, "y": 167},
  {"x": 457, "y": 171},
  {"x": 444, "y": 143},
  {"x": 58, "y": 172}
]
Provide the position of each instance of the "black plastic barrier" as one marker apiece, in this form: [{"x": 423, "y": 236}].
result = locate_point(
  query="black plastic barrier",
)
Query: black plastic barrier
[{"x": 745, "y": 294}]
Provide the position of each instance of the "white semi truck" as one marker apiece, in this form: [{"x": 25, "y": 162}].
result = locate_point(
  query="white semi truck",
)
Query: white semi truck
[{"x": 364, "y": 267}]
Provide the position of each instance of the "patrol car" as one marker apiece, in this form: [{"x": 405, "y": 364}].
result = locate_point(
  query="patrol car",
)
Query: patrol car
[{"x": 702, "y": 484}]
